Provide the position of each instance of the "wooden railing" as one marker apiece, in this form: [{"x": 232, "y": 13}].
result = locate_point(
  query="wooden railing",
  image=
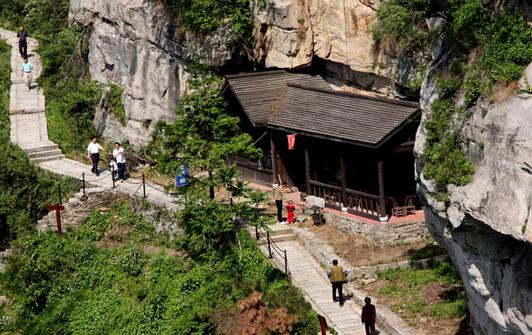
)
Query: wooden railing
[
  {"x": 359, "y": 203},
  {"x": 364, "y": 204}
]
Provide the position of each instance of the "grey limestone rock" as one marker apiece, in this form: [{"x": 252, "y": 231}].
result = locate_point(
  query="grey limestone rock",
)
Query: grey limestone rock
[
  {"x": 141, "y": 46},
  {"x": 487, "y": 227}
]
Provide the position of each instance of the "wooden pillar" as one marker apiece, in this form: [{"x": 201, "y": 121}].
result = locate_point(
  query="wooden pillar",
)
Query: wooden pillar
[
  {"x": 382, "y": 199},
  {"x": 274, "y": 160},
  {"x": 343, "y": 172},
  {"x": 307, "y": 169}
]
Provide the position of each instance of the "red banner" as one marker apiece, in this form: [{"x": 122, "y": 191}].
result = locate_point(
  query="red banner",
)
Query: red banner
[{"x": 291, "y": 141}]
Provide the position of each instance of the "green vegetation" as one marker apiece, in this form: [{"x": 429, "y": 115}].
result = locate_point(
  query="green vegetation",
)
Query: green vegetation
[
  {"x": 446, "y": 163},
  {"x": 113, "y": 275},
  {"x": 435, "y": 292},
  {"x": 487, "y": 47},
  {"x": 115, "y": 103},
  {"x": 203, "y": 136},
  {"x": 207, "y": 15}
]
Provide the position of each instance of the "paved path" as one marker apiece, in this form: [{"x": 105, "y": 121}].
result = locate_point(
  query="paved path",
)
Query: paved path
[
  {"x": 310, "y": 277},
  {"x": 29, "y": 131}
]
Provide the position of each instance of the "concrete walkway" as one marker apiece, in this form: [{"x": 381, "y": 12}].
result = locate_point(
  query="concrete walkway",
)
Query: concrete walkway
[
  {"x": 29, "y": 131},
  {"x": 307, "y": 274}
]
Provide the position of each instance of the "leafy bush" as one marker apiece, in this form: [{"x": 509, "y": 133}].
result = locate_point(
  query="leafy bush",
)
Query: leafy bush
[
  {"x": 445, "y": 161},
  {"x": 206, "y": 15},
  {"x": 69, "y": 285},
  {"x": 115, "y": 103}
]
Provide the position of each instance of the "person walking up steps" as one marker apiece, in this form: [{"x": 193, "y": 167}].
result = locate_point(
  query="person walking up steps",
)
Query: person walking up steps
[
  {"x": 369, "y": 315},
  {"x": 26, "y": 73},
  {"x": 337, "y": 279},
  {"x": 120, "y": 158},
  {"x": 93, "y": 152},
  {"x": 22, "y": 37}
]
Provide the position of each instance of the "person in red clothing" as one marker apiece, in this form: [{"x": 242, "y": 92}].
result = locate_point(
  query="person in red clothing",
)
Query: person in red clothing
[
  {"x": 368, "y": 316},
  {"x": 290, "y": 209}
]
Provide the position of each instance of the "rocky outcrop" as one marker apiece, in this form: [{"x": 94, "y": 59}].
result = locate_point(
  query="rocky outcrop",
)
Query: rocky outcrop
[
  {"x": 487, "y": 226},
  {"x": 141, "y": 46},
  {"x": 337, "y": 33}
]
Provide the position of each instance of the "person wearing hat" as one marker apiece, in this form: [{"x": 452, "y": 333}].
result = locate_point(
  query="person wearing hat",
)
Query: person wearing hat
[{"x": 369, "y": 315}]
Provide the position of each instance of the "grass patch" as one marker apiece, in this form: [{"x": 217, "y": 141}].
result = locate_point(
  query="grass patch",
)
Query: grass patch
[{"x": 429, "y": 299}]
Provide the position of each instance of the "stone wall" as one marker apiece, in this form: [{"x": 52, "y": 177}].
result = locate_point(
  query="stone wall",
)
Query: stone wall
[
  {"x": 78, "y": 208},
  {"x": 381, "y": 234}
]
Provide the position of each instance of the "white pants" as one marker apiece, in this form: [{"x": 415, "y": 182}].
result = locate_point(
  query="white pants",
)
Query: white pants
[{"x": 27, "y": 80}]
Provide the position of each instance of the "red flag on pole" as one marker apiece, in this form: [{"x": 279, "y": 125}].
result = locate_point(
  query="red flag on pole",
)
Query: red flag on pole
[{"x": 291, "y": 141}]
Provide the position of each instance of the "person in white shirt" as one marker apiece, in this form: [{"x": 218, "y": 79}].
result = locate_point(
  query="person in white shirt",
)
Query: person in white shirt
[
  {"x": 93, "y": 152},
  {"x": 120, "y": 158}
]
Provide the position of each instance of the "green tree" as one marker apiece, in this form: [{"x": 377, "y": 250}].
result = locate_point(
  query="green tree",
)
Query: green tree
[{"x": 205, "y": 136}]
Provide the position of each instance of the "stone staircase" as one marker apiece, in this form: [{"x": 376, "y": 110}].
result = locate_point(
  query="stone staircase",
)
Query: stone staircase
[
  {"x": 44, "y": 153},
  {"x": 278, "y": 233},
  {"x": 27, "y": 108}
]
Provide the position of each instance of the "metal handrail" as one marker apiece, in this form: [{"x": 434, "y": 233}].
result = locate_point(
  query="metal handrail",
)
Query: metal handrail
[{"x": 272, "y": 246}]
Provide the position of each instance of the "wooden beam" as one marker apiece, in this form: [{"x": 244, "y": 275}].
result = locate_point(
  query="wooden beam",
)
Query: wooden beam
[
  {"x": 274, "y": 160},
  {"x": 343, "y": 172},
  {"x": 307, "y": 169},
  {"x": 382, "y": 199}
]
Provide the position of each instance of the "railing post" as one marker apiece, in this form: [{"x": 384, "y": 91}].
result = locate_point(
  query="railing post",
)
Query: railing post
[
  {"x": 269, "y": 244},
  {"x": 83, "y": 178},
  {"x": 144, "y": 186},
  {"x": 59, "y": 191},
  {"x": 285, "y": 263},
  {"x": 113, "y": 176},
  {"x": 257, "y": 231}
]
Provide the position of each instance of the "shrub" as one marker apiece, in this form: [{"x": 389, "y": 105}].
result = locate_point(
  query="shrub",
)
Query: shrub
[
  {"x": 207, "y": 15},
  {"x": 115, "y": 103}
]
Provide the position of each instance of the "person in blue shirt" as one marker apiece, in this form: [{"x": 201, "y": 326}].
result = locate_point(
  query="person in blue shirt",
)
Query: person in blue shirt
[{"x": 26, "y": 73}]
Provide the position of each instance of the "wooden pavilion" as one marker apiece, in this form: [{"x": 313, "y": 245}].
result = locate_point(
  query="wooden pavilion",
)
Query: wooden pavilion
[{"x": 354, "y": 151}]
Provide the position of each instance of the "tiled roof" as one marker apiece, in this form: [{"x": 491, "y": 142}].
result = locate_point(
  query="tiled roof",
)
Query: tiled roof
[
  {"x": 258, "y": 92},
  {"x": 354, "y": 118}
]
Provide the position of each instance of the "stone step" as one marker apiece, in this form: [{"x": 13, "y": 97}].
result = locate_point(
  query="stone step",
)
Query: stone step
[
  {"x": 280, "y": 230},
  {"x": 46, "y": 159},
  {"x": 45, "y": 153},
  {"x": 48, "y": 147},
  {"x": 277, "y": 238}
]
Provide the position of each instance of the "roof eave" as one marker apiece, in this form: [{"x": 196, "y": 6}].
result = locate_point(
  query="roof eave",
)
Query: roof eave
[
  {"x": 398, "y": 129},
  {"x": 323, "y": 137}
]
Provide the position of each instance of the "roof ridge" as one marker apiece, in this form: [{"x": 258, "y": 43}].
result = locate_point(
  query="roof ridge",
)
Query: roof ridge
[
  {"x": 354, "y": 95},
  {"x": 254, "y": 74}
]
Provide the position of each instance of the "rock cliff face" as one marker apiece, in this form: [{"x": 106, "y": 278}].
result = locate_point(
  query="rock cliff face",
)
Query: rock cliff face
[
  {"x": 337, "y": 33},
  {"x": 140, "y": 45},
  {"x": 487, "y": 227}
]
